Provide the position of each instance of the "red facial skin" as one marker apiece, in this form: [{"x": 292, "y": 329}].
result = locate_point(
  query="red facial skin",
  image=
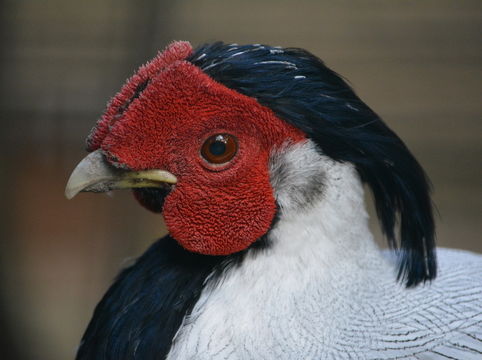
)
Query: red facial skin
[{"x": 213, "y": 209}]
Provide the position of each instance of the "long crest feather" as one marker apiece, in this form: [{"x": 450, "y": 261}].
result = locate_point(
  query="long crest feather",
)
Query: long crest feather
[{"x": 299, "y": 88}]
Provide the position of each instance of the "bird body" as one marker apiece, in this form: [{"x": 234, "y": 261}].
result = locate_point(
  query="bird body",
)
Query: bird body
[
  {"x": 270, "y": 255},
  {"x": 378, "y": 320}
]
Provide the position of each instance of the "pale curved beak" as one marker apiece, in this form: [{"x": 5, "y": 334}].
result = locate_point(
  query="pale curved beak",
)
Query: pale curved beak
[{"x": 95, "y": 174}]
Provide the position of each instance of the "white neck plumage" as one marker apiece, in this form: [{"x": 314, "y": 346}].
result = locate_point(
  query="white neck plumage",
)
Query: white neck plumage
[
  {"x": 320, "y": 254},
  {"x": 322, "y": 210}
]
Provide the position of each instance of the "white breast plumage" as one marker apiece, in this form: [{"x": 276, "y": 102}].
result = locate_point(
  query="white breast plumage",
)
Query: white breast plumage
[{"x": 323, "y": 290}]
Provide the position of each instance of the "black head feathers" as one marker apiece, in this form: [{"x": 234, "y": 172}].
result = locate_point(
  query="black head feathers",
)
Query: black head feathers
[{"x": 300, "y": 89}]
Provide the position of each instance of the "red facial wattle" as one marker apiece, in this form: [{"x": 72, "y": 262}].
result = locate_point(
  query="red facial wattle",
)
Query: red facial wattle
[{"x": 214, "y": 209}]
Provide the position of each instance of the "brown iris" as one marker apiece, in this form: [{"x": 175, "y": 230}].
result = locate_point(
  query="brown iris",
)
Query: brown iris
[{"x": 219, "y": 149}]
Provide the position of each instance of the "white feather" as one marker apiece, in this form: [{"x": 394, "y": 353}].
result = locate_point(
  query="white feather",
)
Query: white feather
[{"x": 323, "y": 290}]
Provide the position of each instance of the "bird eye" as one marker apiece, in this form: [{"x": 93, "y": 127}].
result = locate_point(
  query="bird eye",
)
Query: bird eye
[{"x": 219, "y": 149}]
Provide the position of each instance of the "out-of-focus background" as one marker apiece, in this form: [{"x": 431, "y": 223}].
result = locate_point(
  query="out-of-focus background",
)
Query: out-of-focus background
[{"x": 417, "y": 63}]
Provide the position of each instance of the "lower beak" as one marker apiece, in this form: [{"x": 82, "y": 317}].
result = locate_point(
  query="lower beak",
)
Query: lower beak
[{"x": 95, "y": 174}]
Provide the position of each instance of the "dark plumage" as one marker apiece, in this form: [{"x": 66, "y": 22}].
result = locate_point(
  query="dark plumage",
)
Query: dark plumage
[{"x": 141, "y": 312}]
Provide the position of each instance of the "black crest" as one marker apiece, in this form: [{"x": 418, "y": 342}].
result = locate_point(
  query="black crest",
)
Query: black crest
[{"x": 300, "y": 89}]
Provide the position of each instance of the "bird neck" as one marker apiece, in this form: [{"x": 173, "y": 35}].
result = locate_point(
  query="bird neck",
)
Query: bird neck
[
  {"x": 322, "y": 211},
  {"x": 320, "y": 254}
]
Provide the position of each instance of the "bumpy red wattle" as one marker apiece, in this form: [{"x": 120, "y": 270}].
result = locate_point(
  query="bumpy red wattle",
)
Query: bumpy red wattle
[{"x": 211, "y": 210}]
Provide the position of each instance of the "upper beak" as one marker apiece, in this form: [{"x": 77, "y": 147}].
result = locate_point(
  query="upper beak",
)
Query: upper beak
[{"x": 95, "y": 174}]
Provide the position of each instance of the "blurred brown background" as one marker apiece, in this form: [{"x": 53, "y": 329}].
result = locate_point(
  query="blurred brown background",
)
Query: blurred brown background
[{"x": 417, "y": 63}]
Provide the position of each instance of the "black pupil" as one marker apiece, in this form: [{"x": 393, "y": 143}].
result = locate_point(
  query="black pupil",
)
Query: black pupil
[{"x": 218, "y": 147}]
